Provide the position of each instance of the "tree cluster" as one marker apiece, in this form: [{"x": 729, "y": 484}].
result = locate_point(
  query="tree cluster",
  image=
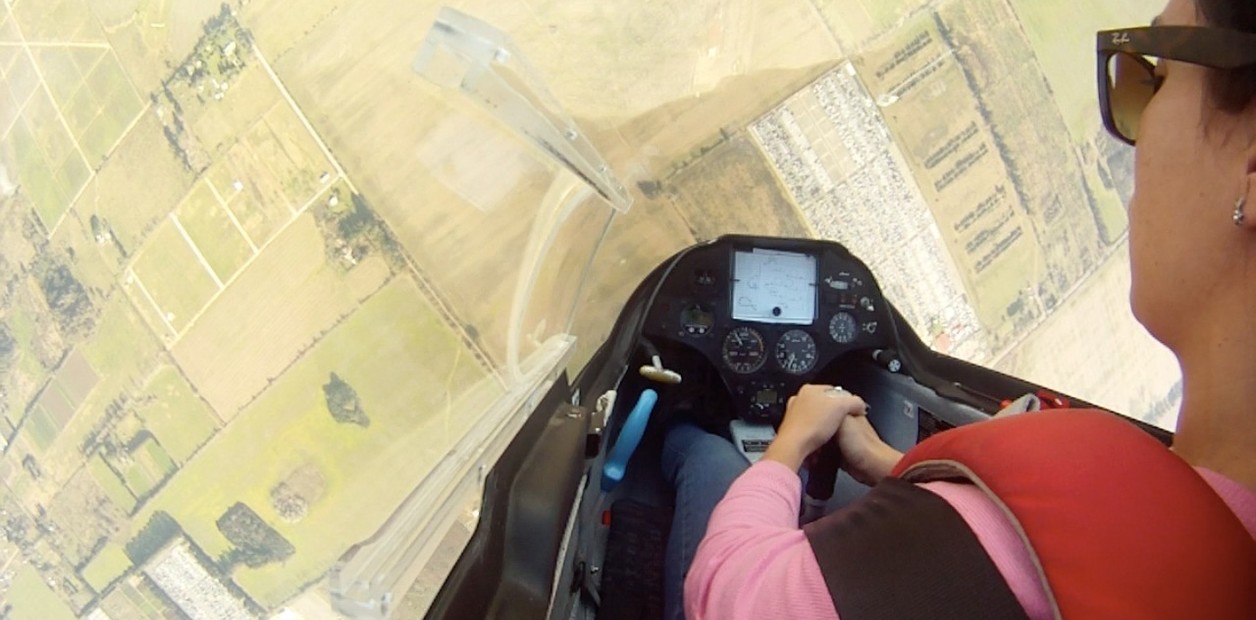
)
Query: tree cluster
[
  {"x": 8, "y": 348},
  {"x": 352, "y": 231},
  {"x": 66, "y": 298},
  {"x": 256, "y": 543},
  {"x": 343, "y": 402},
  {"x": 288, "y": 503},
  {"x": 15, "y": 531},
  {"x": 32, "y": 467},
  {"x": 160, "y": 529}
]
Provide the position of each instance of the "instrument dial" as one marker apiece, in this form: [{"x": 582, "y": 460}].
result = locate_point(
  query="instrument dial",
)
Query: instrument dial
[
  {"x": 843, "y": 328},
  {"x": 744, "y": 350},
  {"x": 796, "y": 352},
  {"x": 696, "y": 320}
]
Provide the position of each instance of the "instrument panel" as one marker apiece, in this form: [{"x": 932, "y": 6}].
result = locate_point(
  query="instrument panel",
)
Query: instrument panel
[{"x": 769, "y": 315}]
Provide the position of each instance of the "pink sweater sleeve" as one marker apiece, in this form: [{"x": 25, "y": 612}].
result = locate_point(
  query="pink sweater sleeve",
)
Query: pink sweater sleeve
[{"x": 755, "y": 562}]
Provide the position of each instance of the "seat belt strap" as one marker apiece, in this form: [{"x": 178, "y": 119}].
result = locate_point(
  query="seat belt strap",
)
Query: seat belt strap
[{"x": 901, "y": 551}]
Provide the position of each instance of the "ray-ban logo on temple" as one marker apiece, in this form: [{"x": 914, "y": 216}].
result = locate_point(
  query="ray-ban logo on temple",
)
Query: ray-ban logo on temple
[{"x": 1127, "y": 60}]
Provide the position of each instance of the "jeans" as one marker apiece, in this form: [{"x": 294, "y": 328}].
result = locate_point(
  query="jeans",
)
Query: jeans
[{"x": 700, "y": 467}]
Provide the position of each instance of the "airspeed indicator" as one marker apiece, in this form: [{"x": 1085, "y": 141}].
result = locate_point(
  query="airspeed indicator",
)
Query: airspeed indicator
[{"x": 796, "y": 352}]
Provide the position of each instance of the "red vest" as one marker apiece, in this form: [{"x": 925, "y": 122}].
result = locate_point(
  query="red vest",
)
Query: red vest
[{"x": 1118, "y": 525}]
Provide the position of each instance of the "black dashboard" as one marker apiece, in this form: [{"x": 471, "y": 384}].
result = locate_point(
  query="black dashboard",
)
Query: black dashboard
[{"x": 770, "y": 314}]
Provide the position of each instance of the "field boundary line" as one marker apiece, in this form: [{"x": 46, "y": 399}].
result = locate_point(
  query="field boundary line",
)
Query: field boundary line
[
  {"x": 21, "y": 111},
  {"x": 126, "y": 132},
  {"x": 230, "y": 214},
  {"x": 130, "y": 82},
  {"x": 100, "y": 108},
  {"x": 44, "y": 84},
  {"x": 266, "y": 167},
  {"x": 70, "y": 206},
  {"x": 82, "y": 44},
  {"x": 174, "y": 219},
  {"x": 283, "y": 90},
  {"x": 242, "y": 268},
  {"x": 426, "y": 285},
  {"x": 43, "y": 152},
  {"x": 135, "y": 277}
]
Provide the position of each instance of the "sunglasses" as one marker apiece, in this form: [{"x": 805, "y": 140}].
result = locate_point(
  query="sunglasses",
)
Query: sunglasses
[{"x": 1128, "y": 80}]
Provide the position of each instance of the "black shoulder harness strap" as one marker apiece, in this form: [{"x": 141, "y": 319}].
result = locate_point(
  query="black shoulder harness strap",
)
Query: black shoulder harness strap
[{"x": 903, "y": 552}]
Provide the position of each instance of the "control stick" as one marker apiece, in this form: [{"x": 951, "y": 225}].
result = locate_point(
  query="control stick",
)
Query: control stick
[{"x": 821, "y": 478}]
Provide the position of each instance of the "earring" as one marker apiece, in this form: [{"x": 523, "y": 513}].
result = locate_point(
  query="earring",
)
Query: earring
[{"x": 1239, "y": 216}]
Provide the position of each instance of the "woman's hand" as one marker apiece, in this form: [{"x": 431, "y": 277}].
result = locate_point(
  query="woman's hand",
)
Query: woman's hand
[
  {"x": 812, "y": 417},
  {"x": 865, "y": 455}
]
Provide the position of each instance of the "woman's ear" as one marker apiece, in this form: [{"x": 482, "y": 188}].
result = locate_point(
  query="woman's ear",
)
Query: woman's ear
[{"x": 1245, "y": 201}]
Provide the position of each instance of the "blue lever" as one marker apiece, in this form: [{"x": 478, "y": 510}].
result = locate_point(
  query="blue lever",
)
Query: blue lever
[{"x": 629, "y": 437}]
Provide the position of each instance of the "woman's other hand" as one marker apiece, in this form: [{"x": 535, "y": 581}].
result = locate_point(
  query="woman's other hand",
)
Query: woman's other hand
[
  {"x": 812, "y": 417},
  {"x": 865, "y": 455}
]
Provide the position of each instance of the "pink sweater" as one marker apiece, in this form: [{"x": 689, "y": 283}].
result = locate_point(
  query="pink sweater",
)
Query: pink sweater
[{"x": 755, "y": 562}]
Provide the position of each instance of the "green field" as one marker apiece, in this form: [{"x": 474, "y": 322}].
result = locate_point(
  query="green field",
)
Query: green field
[
  {"x": 107, "y": 566},
  {"x": 259, "y": 204},
  {"x": 856, "y": 22},
  {"x": 1002, "y": 284},
  {"x": 179, "y": 420},
  {"x": 139, "y": 480},
  {"x": 21, "y": 79},
  {"x": 136, "y": 598},
  {"x": 149, "y": 466},
  {"x": 290, "y": 153},
  {"x": 55, "y": 143},
  {"x": 177, "y": 281},
  {"x": 41, "y": 428},
  {"x": 24, "y": 331},
  {"x": 219, "y": 124},
  {"x": 292, "y": 294},
  {"x": 7, "y": 53},
  {"x": 103, "y": 133},
  {"x": 123, "y": 350},
  {"x": 1064, "y": 42},
  {"x": 39, "y": 180},
  {"x": 121, "y": 345},
  {"x": 1112, "y": 217},
  {"x": 134, "y": 209},
  {"x": 65, "y": 20},
  {"x": 96, "y": 265},
  {"x": 61, "y": 70},
  {"x": 209, "y": 226},
  {"x": 399, "y": 358},
  {"x": 735, "y": 176},
  {"x": 33, "y": 600},
  {"x": 13, "y": 409},
  {"x": 118, "y": 105},
  {"x": 109, "y": 482},
  {"x": 9, "y": 107},
  {"x": 80, "y": 110}
]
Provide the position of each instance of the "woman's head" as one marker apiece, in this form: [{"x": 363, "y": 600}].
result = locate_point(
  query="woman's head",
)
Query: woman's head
[
  {"x": 1233, "y": 90},
  {"x": 1192, "y": 268}
]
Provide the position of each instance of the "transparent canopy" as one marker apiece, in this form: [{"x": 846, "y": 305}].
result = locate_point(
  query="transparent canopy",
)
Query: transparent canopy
[{"x": 282, "y": 279}]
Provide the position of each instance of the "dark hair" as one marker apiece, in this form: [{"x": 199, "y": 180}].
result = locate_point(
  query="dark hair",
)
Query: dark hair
[{"x": 1231, "y": 90}]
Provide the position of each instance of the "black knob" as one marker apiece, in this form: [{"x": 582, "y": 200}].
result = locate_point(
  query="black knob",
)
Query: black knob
[{"x": 888, "y": 359}]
